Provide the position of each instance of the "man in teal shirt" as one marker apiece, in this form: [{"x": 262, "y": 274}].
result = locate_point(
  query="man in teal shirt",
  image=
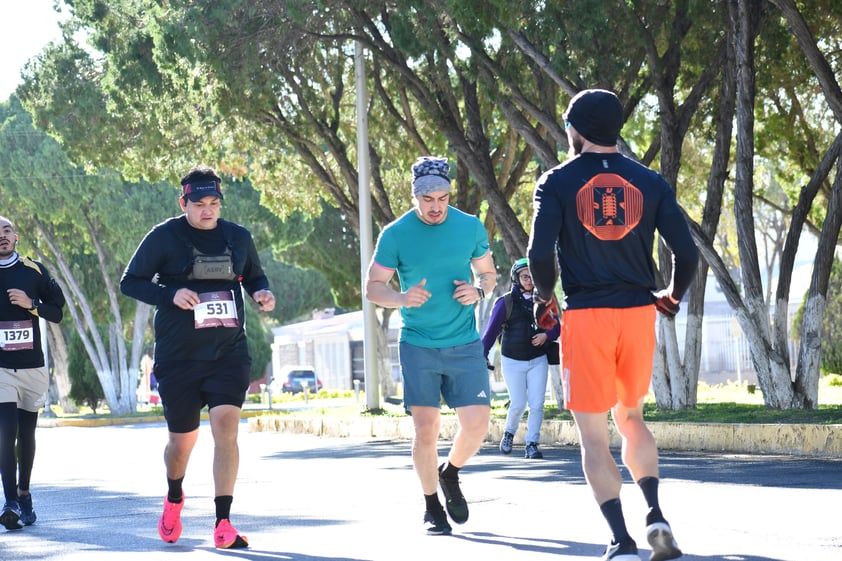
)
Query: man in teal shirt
[{"x": 436, "y": 251}]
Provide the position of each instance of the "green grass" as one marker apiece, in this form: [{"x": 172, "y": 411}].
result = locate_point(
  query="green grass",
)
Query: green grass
[
  {"x": 735, "y": 402},
  {"x": 722, "y": 403}
]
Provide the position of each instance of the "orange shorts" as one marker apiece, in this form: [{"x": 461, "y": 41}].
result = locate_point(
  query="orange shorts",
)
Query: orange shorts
[{"x": 607, "y": 356}]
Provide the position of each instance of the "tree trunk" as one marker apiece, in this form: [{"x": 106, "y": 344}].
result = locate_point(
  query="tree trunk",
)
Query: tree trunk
[
  {"x": 807, "y": 372},
  {"x": 384, "y": 359},
  {"x": 139, "y": 325},
  {"x": 674, "y": 386},
  {"x": 59, "y": 361}
]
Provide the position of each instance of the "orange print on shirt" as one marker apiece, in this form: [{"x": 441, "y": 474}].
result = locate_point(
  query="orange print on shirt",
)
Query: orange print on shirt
[{"x": 609, "y": 207}]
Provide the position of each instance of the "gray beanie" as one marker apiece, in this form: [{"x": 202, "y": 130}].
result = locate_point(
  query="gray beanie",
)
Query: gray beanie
[
  {"x": 430, "y": 174},
  {"x": 597, "y": 115}
]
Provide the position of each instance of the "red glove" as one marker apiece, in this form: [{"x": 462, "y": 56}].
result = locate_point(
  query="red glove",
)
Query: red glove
[
  {"x": 546, "y": 313},
  {"x": 664, "y": 303}
]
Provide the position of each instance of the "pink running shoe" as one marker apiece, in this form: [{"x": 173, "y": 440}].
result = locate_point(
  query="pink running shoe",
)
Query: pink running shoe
[
  {"x": 169, "y": 525},
  {"x": 225, "y": 536}
]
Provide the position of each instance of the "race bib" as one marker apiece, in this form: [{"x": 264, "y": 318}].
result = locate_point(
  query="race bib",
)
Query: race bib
[
  {"x": 217, "y": 309},
  {"x": 16, "y": 335}
]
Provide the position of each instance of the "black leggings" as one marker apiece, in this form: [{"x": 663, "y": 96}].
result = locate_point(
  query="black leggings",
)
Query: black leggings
[{"x": 17, "y": 448}]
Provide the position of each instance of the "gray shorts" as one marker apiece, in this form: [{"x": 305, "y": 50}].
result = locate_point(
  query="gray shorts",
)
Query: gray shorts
[
  {"x": 25, "y": 386},
  {"x": 456, "y": 374}
]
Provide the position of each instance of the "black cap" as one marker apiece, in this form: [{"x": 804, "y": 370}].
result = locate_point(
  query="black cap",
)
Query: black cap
[
  {"x": 197, "y": 190},
  {"x": 597, "y": 115}
]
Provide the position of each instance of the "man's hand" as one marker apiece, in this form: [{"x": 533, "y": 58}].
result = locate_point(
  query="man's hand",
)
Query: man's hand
[
  {"x": 186, "y": 299},
  {"x": 19, "y": 298},
  {"x": 666, "y": 304},
  {"x": 466, "y": 294},
  {"x": 265, "y": 299},
  {"x": 416, "y": 295},
  {"x": 546, "y": 313}
]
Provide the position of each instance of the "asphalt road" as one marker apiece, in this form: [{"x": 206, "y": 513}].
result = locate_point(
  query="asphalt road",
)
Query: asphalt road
[{"x": 98, "y": 493}]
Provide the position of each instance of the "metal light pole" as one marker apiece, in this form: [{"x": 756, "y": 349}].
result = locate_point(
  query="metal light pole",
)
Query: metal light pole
[{"x": 372, "y": 377}]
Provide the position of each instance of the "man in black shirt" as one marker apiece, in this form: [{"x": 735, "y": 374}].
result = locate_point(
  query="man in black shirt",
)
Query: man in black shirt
[
  {"x": 194, "y": 268},
  {"x": 30, "y": 294},
  {"x": 597, "y": 213}
]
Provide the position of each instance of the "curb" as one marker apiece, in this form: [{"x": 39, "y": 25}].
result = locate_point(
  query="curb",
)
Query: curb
[
  {"x": 807, "y": 440},
  {"x": 819, "y": 441}
]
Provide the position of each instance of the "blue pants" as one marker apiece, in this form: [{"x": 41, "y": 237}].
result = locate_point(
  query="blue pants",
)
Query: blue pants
[{"x": 526, "y": 381}]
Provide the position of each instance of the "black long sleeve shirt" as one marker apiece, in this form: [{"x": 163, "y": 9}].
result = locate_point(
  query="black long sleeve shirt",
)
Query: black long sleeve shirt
[
  {"x": 599, "y": 214},
  {"x": 34, "y": 279},
  {"x": 161, "y": 266}
]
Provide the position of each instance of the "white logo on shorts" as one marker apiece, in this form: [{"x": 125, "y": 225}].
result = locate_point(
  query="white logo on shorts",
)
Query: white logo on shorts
[{"x": 482, "y": 394}]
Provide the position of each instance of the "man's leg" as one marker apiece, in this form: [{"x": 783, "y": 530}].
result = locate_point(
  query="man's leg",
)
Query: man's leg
[
  {"x": 225, "y": 427},
  {"x": 639, "y": 451},
  {"x": 473, "y": 427},
  {"x": 27, "y": 422},
  {"x": 427, "y": 423},
  {"x": 10, "y": 514},
  {"x": 177, "y": 452},
  {"x": 605, "y": 480},
  {"x": 599, "y": 466},
  {"x": 640, "y": 455},
  {"x": 176, "y": 456}
]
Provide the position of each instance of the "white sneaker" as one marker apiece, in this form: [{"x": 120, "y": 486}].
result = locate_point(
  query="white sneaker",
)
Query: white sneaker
[{"x": 659, "y": 536}]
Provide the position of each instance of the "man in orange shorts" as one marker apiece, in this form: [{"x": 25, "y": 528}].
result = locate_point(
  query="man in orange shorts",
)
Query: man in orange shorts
[{"x": 600, "y": 211}]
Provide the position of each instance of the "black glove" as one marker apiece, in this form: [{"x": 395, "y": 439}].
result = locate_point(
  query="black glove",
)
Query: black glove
[
  {"x": 546, "y": 313},
  {"x": 665, "y": 305}
]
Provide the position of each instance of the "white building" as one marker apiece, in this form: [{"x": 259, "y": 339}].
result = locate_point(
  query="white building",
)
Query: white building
[{"x": 332, "y": 345}]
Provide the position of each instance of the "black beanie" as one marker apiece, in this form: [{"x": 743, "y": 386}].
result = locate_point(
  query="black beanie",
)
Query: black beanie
[{"x": 597, "y": 115}]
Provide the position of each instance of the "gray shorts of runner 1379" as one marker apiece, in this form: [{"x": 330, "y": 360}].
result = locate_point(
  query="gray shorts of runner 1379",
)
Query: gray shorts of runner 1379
[{"x": 457, "y": 374}]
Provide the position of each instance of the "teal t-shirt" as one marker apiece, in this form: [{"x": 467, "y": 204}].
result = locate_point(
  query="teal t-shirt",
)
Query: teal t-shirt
[{"x": 440, "y": 253}]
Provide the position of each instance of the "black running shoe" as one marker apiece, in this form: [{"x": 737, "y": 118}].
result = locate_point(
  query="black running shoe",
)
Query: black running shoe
[
  {"x": 457, "y": 506},
  {"x": 10, "y": 517},
  {"x": 437, "y": 524},
  {"x": 626, "y": 550},
  {"x": 27, "y": 513},
  {"x": 532, "y": 452}
]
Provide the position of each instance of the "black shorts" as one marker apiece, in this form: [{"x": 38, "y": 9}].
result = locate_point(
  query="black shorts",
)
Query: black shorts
[{"x": 186, "y": 386}]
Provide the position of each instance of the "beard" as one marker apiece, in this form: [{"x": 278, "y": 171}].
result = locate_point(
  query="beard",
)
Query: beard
[{"x": 576, "y": 145}]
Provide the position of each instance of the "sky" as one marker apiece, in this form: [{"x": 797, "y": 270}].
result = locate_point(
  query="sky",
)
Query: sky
[{"x": 26, "y": 26}]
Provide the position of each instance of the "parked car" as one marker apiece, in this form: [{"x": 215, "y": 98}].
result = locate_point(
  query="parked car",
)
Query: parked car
[{"x": 295, "y": 379}]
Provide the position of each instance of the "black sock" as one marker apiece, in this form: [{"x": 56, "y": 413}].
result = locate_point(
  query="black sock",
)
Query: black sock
[
  {"x": 432, "y": 502},
  {"x": 649, "y": 486},
  {"x": 449, "y": 471},
  {"x": 223, "y": 507},
  {"x": 174, "y": 492},
  {"x": 613, "y": 512}
]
